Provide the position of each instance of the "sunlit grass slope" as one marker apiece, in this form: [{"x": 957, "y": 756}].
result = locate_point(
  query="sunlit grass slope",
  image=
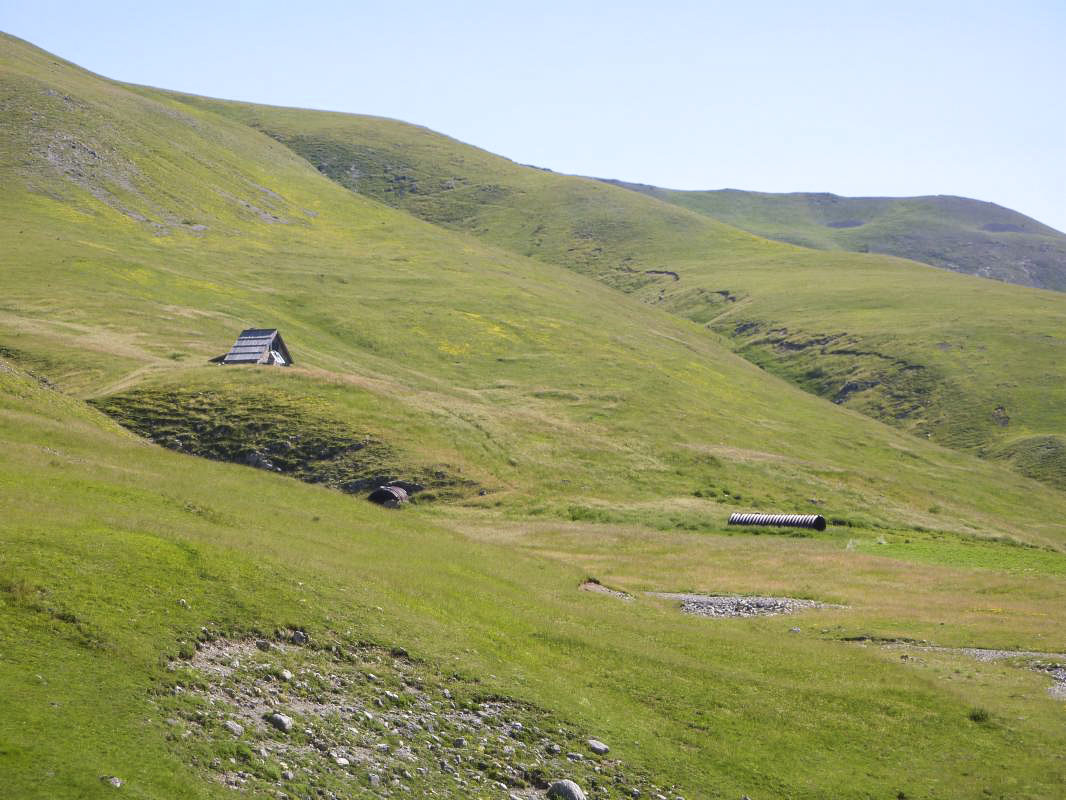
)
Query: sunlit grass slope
[
  {"x": 142, "y": 232},
  {"x": 971, "y": 363},
  {"x": 116, "y": 553},
  {"x": 955, "y": 233},
  {"x": 525, "y": 377}
]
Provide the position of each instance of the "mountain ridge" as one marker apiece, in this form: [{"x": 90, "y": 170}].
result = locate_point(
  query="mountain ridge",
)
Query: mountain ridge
[{"x": 961, "y": 234}]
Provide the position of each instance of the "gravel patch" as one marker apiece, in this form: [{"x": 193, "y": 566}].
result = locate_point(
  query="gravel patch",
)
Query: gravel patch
[
  {"x": 709, "y": 605},
  {"x": 1058, "y": 673},
  {"x": 982, "y": 654}
]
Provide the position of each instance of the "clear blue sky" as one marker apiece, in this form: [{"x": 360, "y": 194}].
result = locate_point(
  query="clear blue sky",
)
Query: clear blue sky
[{"x": 857, "y": 98}]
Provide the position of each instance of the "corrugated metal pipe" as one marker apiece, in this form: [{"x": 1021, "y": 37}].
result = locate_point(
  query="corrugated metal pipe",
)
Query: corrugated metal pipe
[{"x": 815, "y": 521}]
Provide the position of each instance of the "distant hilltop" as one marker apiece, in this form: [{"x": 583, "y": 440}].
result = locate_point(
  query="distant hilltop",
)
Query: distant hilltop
[{"x": 956, "y": 233}]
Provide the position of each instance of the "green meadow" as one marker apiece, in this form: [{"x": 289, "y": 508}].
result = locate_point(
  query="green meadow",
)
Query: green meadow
[{"x": 491, "y": 330}]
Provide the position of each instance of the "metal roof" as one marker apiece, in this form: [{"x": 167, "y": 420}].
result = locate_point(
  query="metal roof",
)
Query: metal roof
[
  {"x": 388, "y": 496},
  {"x": 253, "y": 346}
]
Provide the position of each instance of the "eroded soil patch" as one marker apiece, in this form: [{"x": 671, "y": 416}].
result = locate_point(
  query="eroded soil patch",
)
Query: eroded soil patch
[
  {"x": 706, "y": 605},
  {"x": 277, "y": 718}
]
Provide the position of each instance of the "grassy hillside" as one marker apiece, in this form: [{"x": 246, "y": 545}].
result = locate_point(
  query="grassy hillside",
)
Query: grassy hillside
[
  {"x": 117, "y": 554},
  {"x": 972, "y": 364},
  {"x": 954, "y": 233},
  {"x": 574, "y": 431},
  {"x": 446, "y": 350}
]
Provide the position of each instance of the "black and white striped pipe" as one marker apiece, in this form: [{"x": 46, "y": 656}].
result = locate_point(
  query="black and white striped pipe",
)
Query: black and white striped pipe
[{"x": 815, "y": 521}]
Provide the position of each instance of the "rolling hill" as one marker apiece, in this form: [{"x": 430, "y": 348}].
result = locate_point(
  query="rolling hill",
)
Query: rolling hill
[
  {"x": 975, "y": 365},
  {"x": 954, "y": 233},
  {"x": 158, "y": 607}
]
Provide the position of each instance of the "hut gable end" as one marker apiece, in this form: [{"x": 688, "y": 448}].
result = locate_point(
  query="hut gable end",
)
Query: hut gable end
[{"x": 258, "y": 346}]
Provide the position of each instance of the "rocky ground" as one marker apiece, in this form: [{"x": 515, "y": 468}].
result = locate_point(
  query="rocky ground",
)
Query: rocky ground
[
  {"x": 282, "y": 717},
  {"x": 740, "y": 605}
]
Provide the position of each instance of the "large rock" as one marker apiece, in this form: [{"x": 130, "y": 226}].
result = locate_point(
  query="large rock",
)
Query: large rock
[
  {"x": 233, "y": 727},
  {"x": 281, "y": 722},
  {"x": 565, "y": 790},
  {"x": 598, "y": 747}
]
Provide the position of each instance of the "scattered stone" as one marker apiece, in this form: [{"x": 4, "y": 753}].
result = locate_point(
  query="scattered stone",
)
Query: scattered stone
[
  {"x": 436, "y": 746},
  {"x": 706, "y": 605},
  {"x": 286, "y": 675},
  {"x": 280, "y": 721},
  {"x": 598, "y": 747},
  {"x": 795, "y": 630},
  {"x": 183, "y": 603},
  {"x": 112, "y": 780},
  {"x": 299, "y": 637},
  {"x": 263, "y": 645},
  {"x": 235, "y": 728},
  {"x": 565, "y": 790}
]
